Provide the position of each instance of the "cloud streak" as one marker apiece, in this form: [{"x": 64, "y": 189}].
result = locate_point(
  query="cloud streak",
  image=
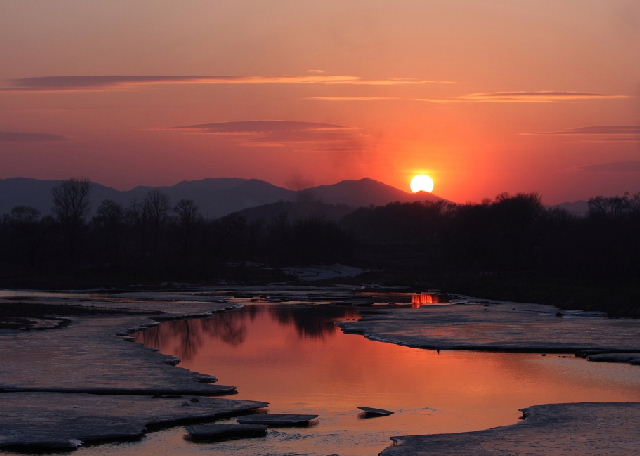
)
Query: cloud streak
[
  {"x": 540, "y": 96},
  {"x": 23, "y": 136},
  {"x": 598, "y": 133},
  {"x": 258, "y": 126},
  {"x": 490, "y": 97},
  {"x": 598, "y": 130},
  {"x": 352, "y": 98},
  {"x": 102, "y": 83},
  {"x": 282, "y": 133}
]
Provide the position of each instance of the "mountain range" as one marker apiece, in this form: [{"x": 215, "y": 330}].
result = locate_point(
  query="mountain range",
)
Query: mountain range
[{"x": 217, "y": 197}]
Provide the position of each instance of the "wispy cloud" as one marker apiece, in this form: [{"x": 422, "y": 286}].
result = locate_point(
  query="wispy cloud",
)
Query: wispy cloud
[
  {"x": 100, "y": 83},
  {"x": 489, "y": 97},
  {"x": 352, "y": 98},
  {"x": 281, "y": 133},
  {"x": 598, "y": 130},
  {"x": 24, "y": 136},
  {"x": 598, "y": 133},
  {"x": 613, "y": 167},
  {"x": 541, "y": 96},
  {"x": 258, "y": 126},
  {"x": 622, "y": 139}
]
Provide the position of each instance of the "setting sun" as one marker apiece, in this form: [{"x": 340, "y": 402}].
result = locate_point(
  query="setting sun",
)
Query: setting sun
[{"x": 421, "y": 183}]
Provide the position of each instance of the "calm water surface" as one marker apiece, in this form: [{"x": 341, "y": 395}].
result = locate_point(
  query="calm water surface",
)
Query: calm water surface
[{"x": 294, "y": 357}]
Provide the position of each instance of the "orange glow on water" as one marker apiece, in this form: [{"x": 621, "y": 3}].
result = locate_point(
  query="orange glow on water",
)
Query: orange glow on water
[
  {"x": 418, "y": 300},
  {"x": 301, "y": 363}
]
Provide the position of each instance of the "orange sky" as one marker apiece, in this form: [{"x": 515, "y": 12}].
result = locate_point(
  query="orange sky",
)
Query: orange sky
[{"x": 486, "y": 96}]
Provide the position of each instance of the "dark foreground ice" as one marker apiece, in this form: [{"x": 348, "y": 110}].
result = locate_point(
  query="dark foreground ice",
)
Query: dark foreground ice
[
  {"x": 578, "y": 429},
  {"x": 504, "y": 327},
  {"x": 61, "y": 421},
  {"x": 87, "y": 382}
]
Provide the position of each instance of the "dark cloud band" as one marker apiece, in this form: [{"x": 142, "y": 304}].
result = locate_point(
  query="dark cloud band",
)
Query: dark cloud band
[
  {"x": 96, "y": 83},
  {"x": 260, "y": 126}
]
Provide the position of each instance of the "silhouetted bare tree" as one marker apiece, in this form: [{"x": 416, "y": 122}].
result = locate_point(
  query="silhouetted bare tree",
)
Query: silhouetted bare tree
[
  {"x": 188, "y": 217},
  {"x": 187, "y": 211},
  {"x": 71, "y": 201},
  {"x": 71, "y": 206},
  {"x": 155, "y": 210},
  {"x": 615, "y": 206}
]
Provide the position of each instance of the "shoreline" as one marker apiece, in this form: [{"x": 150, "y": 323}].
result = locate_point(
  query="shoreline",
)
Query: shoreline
[
  {"x": 491, "y": 326},
  {"x": 546, "y": 429},
  {"x": 90, "y": 386},
  {"x": 120, "y": 327}
]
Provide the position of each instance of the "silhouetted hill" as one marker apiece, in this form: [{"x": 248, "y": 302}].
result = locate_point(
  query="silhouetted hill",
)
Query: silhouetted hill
[
  {"x": 295, "y": 210},
  {"x": 217, "y": 197},
  {"x": 214, "y": 197},
  {"x": 364, "y": 192},
  {"x": 221, "y": 196},
  {"x": 36, "y": 193}
]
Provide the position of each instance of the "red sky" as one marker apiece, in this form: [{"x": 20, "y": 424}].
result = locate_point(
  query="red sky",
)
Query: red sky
[{"x": 486, "y": 96}]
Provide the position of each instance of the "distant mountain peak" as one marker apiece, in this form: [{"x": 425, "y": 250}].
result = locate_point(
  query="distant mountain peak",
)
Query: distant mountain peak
[
  {"x": 365, "y": 192},
  {"x": 215, "y": 197}
]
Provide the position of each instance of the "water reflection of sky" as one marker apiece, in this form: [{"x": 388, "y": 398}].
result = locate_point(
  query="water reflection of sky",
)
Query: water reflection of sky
[
  {"x": 294, "y": 357},
  {"x": 186, "y": 337}
]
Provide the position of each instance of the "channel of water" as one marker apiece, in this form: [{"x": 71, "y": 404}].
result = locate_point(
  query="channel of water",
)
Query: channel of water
[{"x": 293, "y": 356}]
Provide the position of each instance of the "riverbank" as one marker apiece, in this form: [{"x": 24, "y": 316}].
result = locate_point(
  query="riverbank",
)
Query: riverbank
[
  {"x": 498, "y": 326},
  {"x": 85, "y": 381},
  {"x": 89, "y": 371},
  {"x": 585, "y": 429},
  {"x": 617, "y": 298}
]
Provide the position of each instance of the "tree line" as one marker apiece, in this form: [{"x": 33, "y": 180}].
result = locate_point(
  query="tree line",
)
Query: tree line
[
  {"x": 510, "y": 233},
  {"x": 156, "y": 239},
  {"x": 153, "y": 239}
]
